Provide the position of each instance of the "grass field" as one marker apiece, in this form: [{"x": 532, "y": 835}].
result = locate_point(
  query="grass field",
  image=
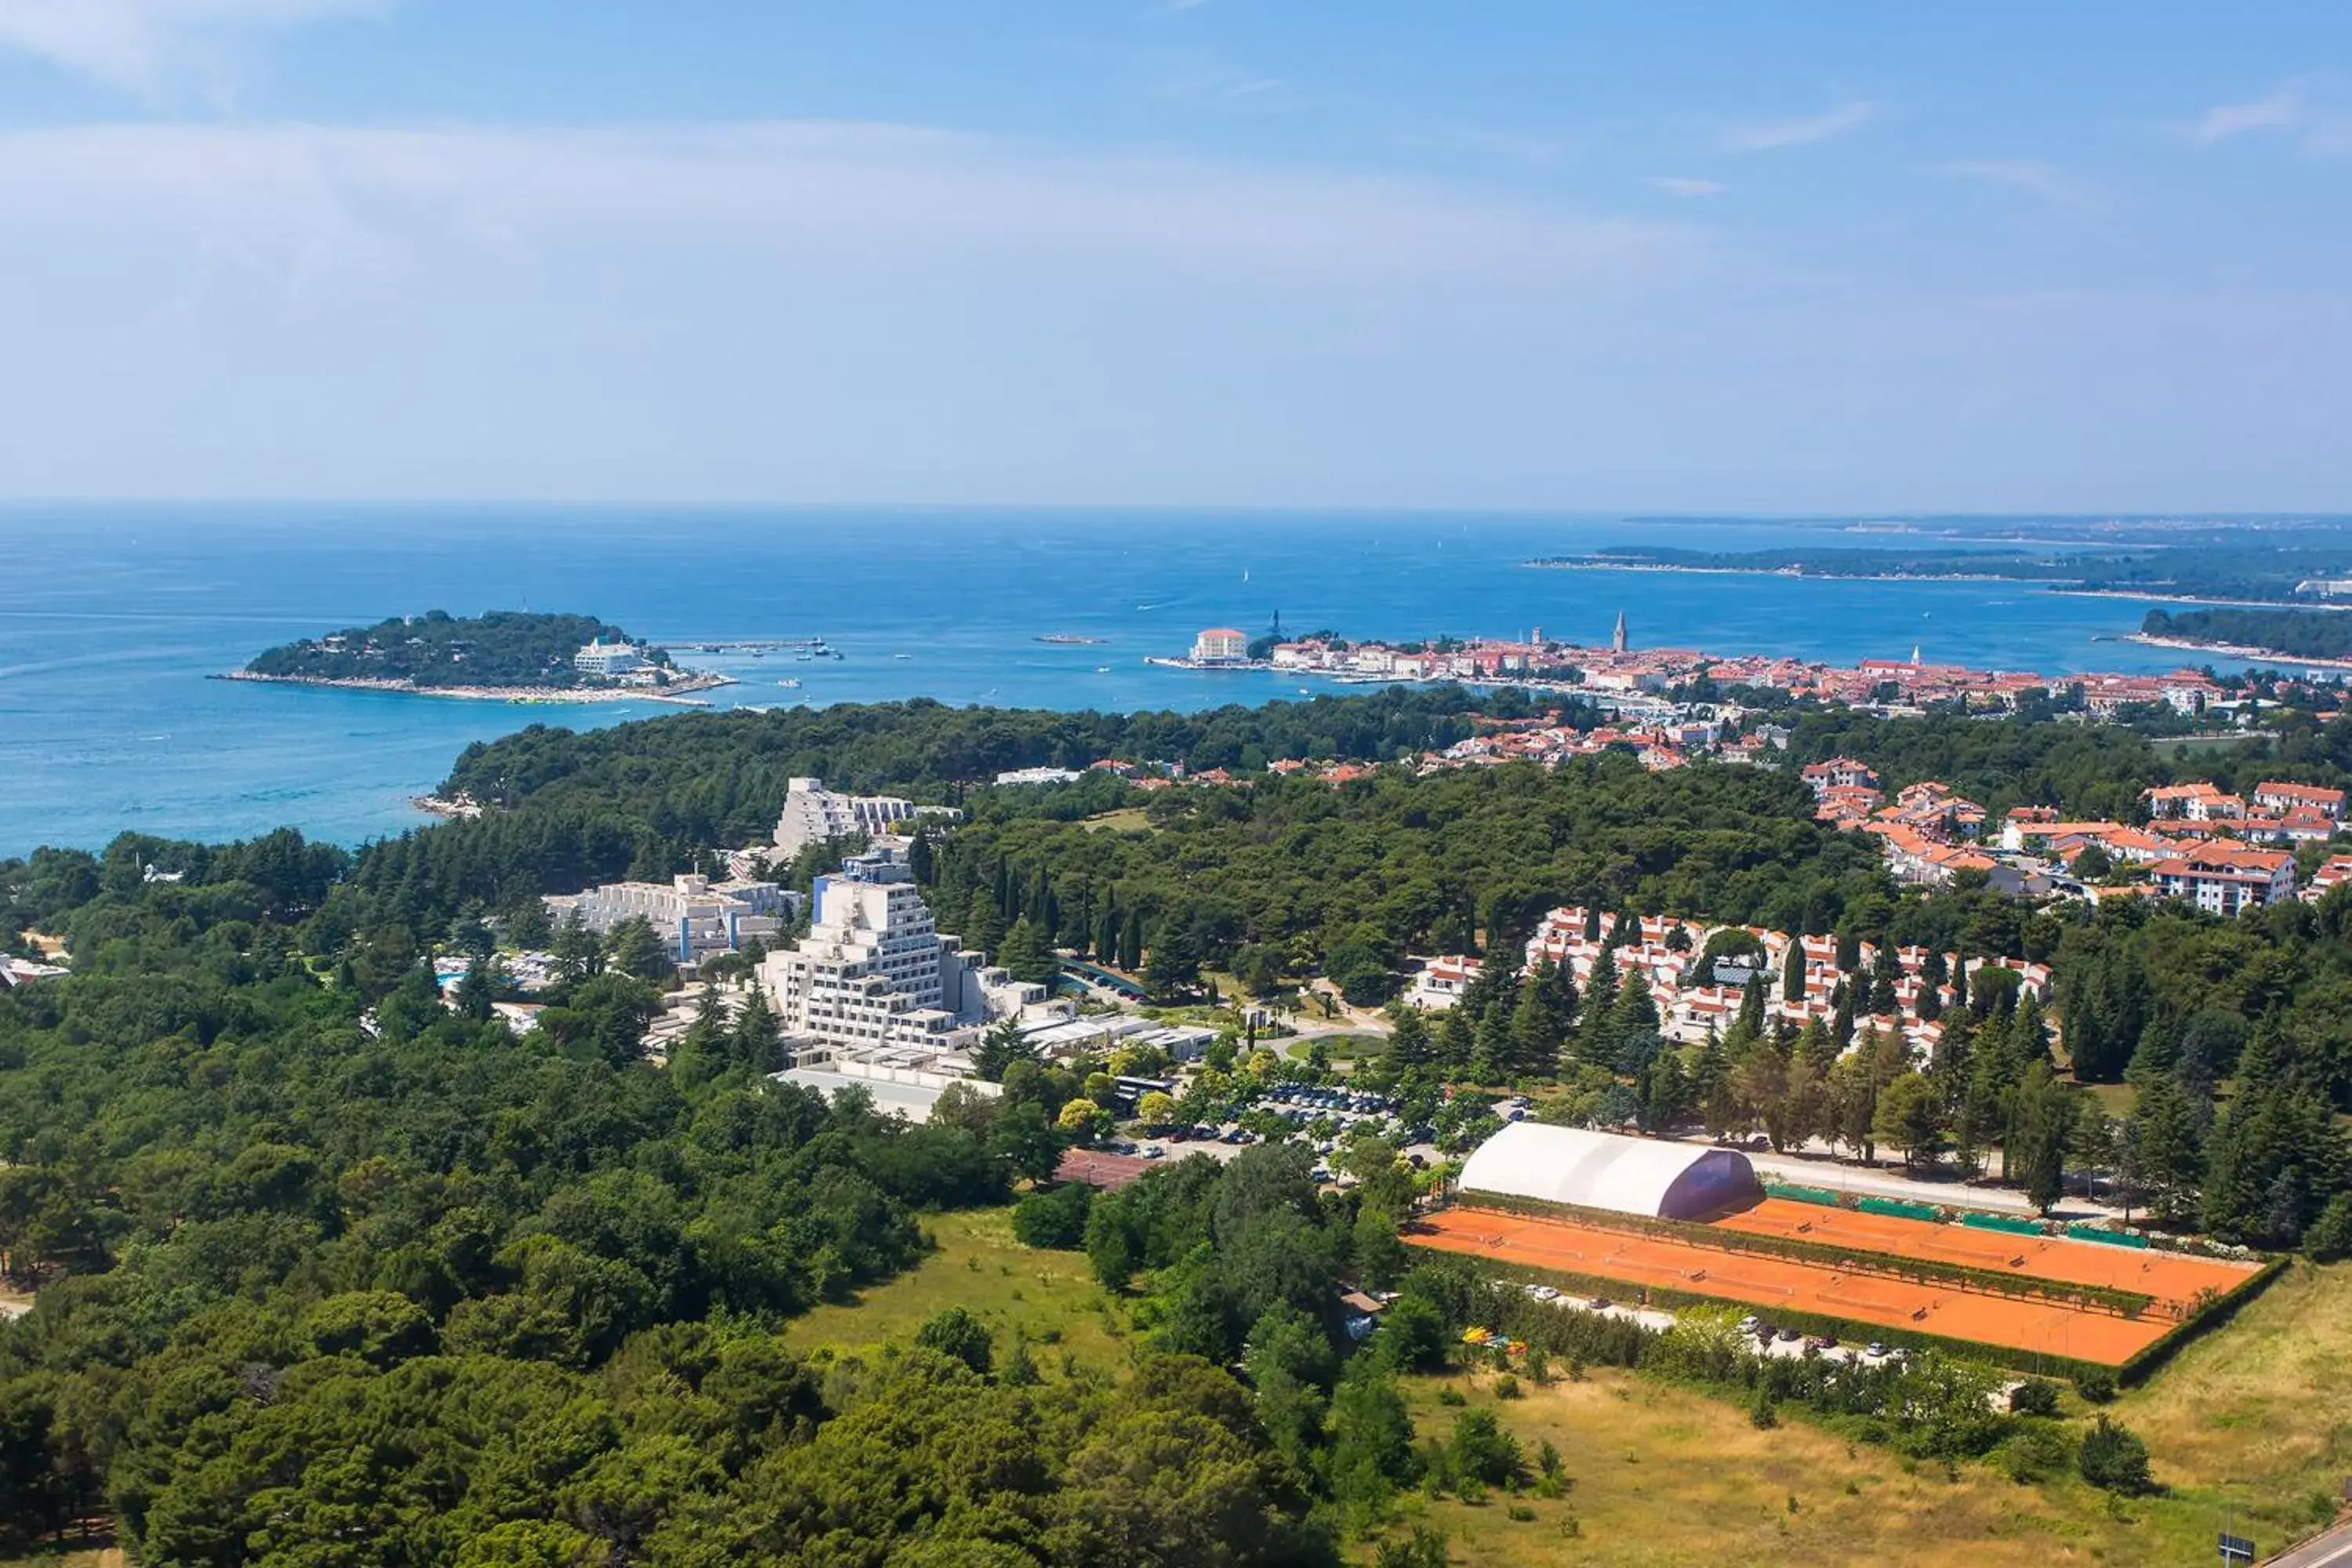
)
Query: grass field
[
  {"x": 1050, "y": 1296},
  {"x": 1127, "y": 819},
  {"x": 2249, "y": 1425},
  {"x": 70, "y": 1557}
]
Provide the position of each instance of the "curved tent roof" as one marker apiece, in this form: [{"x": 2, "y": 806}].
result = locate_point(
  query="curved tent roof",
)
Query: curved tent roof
[{"x": 1607, "y": 1171}]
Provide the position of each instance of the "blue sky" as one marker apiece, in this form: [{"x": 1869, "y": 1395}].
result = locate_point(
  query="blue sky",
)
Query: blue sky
[{"x": 1807, "y": 256}]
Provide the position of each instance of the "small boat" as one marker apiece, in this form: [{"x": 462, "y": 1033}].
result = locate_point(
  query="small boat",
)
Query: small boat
[
  {"x": 1102, "y": 670},
  {"x": 789, "y": 684},
  {"x": 902, "y": 655}
]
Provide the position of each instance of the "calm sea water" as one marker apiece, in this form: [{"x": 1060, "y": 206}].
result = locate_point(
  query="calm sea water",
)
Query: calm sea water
[{"x": 111, "y": 617}]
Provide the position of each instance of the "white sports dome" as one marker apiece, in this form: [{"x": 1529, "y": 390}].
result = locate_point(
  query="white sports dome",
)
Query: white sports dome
[{"x": 1606, "y": 1171}]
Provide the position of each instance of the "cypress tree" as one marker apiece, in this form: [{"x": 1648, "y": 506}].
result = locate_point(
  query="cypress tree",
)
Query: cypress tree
[{"x": 1792, "y": 971}]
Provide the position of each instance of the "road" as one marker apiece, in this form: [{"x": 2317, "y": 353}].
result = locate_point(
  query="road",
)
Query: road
[{"x": 2333, "y": 1549}]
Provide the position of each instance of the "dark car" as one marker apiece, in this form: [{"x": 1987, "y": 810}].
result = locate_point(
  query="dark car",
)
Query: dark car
[{"x": 1788, "y": 1336}]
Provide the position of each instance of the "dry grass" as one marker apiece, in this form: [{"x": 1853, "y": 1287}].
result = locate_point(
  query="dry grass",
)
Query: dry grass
[
  {"x": 1049, "y": 1297},
  {"x": 2259, "y": 1411},
  {"x": 1127, "y": 819},
  {"x": 1677, "y": 1478},
  {"x": 2249, "y": 1429}
]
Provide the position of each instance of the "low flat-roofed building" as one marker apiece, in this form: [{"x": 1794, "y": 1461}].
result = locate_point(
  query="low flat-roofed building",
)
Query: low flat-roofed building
[{"x": 694, "y": 917}]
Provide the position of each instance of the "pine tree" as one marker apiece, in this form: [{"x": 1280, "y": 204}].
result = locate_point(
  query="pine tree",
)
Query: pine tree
[
  {"x": 1665, "y": 1094},
  {"x": 984, "y": 927},
  {"x": 1107, "y": 931},
  {"x": 1027, "y": 955},
  {"x": 756, "y": 1041},
  {"x": 2042, "y": 1127},
  {"x": 1751, "y": 1004},
  {"x": 1410, "y": 1045},
  {"x": 1457, "y": 1040},
  {"x": 1711, "y": 1087},
  {"x": 2164, "y": 1149}
]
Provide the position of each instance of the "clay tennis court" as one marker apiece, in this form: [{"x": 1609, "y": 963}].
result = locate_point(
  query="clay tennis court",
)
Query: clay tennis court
[
  {"x": 2170, "y": 1278},
  {"x": 1774, "y": 1283}
]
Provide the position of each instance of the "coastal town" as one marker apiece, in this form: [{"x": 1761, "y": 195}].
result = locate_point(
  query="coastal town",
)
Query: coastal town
[{"x": 1647, "y": 680}]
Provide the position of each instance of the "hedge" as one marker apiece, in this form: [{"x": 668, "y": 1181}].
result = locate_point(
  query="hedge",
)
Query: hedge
[
  {"x": 1919, "y": 1270},
  {"x": 2145, "y": 1365}
]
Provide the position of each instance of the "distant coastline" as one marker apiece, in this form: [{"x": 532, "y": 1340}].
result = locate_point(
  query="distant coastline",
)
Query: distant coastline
[
  {"x": 676, "y": 691},
  {"x": 1802, "y": 573},
  {"x": 2197, "y": 599}
]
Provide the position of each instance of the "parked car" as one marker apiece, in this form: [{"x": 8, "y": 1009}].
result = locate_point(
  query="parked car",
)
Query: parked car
[
  {"x": 1599, "y": 1304},
  {"x": 1749, "y": 1324},
  {"x": 1154, "y": 1151},
  {"x": 1873, "y": 1350},
  {"x": 1788, "y": 1336}
]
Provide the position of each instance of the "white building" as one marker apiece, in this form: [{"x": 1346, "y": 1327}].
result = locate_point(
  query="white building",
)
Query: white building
[
  {"x": 693, "y": 916},
  {"x": 1040, "y": 776},
  {"x": 814, "y": 814},
  {"x": 875, "y": 981},
  {"x": 1221, "y": 645},
  {"x": 1641, "y": 1176},
  {"x": 602, "y": 657},
  {"x": 2226, "y": 878}
]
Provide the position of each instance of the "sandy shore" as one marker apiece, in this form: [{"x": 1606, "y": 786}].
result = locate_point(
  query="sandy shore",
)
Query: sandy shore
[
  {"x": 676, "y": 692},
  {"x": 2238, "y": 650}
]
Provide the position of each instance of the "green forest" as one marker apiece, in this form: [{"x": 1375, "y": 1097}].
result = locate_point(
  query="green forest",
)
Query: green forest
[
  {"x": 330, "y": 1272},
  {"x": 504, "y": 648},
  {"x": 2308, "y": 633}
]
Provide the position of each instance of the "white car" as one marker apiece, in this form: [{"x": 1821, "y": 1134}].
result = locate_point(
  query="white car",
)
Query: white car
[
  {"x": 1542, "y": 1293},
  {"x": 1154, "y": 1151}
]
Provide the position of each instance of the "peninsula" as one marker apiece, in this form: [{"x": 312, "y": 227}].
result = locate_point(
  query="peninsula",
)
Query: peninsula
[
  {"x": 505, "y": 656},
  {"x": 2319, "y": 637}
]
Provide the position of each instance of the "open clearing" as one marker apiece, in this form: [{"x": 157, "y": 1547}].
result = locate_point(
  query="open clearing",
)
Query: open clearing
[
  {"x": 2041, "y": 1327},
  {"x": 1049, "y": 1297},
  {"x": 2249, "y": 1428}
]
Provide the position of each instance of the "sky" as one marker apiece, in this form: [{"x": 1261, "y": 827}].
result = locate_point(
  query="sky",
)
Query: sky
[{"x": 1522, "y": 254}]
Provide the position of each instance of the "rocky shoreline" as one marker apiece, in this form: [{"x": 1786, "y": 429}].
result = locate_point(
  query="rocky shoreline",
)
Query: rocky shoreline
[{"x": 676, "y": 692}]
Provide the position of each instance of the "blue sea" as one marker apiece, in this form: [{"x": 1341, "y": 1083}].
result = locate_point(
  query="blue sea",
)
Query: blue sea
[{"x": 112, "y": 618}]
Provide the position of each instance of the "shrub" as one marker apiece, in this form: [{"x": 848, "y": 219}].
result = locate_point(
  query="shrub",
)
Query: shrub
[
  {"x": 1451, "y": 1396},
  {"x": 1521, "y": 1513},
  {"x": 1481, "y": 1452},
  {"x": 2035, "y": 1454},
  {"x": 1506, "y": 1387},
  {"x": 2034, "y": 1396},
  {"x": 956, "y": 1333},
  {"x": 1055, "y": 1217},
  {"x": 2112, "y": 1456},
  {"x": 2330, "y": 1236},
  {"x": 1425, "y": 1548},
  {"x": 2095, "y": 1384},
  {"x": 1760, "y": 1413}
]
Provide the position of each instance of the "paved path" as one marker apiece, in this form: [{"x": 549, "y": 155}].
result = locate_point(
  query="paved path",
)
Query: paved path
[
  {"x": 2333, "y": 1549},
  {"x": 1844, "y": 1178}
]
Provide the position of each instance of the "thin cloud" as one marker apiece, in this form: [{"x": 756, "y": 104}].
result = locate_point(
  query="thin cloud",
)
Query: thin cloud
[
  {"x": 862, "y": 195},
  {"x": 137, "y": 45},
  {"x": 1769, "y": 135},
  {"x": 1681, "y": 185},
  {"x": 2303, "y": 110},
  {"x": 2279, "y": 111},
  {"x": 2018, "y": 175}
]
